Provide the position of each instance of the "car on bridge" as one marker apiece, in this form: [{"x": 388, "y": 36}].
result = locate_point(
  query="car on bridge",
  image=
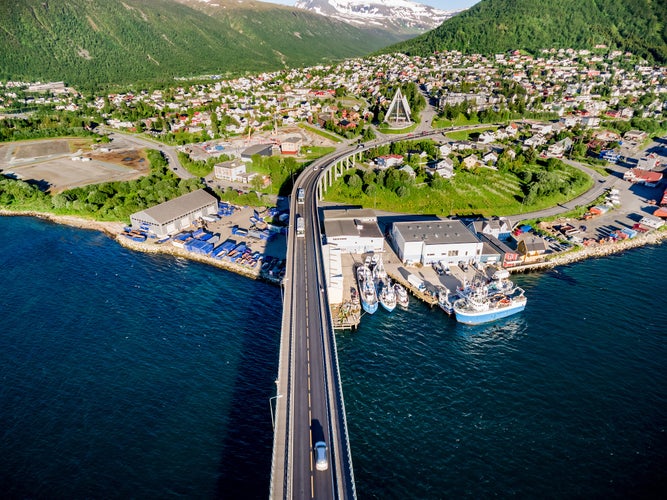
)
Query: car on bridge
[{"x": 321, "y": 462}]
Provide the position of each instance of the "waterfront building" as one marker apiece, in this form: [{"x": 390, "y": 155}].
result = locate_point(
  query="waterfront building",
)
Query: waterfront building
[
  {"x": 430, "y": 241},
  {"x": 353, "y": 230},
  {"x": 175, "y": 215}
]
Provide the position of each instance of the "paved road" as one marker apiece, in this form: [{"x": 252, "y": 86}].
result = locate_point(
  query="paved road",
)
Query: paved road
[{"x": 315, "y": 409}]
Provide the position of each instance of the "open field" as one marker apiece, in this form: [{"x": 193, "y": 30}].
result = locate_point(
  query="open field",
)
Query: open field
[{"x": 50, "y": 164}]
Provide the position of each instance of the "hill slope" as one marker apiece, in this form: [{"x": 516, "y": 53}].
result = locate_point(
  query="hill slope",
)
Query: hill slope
[
  {"x": 493, "y": 26},
  {"x": 92, "y": 42}
]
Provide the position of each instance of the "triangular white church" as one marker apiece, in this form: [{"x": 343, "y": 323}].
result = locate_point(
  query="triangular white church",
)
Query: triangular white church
[{"x": 399, "y": 110}]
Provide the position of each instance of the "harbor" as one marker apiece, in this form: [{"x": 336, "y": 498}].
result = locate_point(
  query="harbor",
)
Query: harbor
[{"x": 427, "y": 284}]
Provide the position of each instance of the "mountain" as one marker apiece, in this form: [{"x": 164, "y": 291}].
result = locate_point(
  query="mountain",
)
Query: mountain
[
  {"x": 400, "y": 16},
  {"x": 494, "y": 26},
  {"x": 89, "y": 43}
]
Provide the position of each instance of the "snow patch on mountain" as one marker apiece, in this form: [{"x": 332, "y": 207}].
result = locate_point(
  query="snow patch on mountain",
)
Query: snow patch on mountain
[{"x": 400, "y": 15}]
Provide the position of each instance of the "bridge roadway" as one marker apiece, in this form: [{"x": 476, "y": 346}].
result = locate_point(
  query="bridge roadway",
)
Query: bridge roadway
[{"x": 309, "y": 406}]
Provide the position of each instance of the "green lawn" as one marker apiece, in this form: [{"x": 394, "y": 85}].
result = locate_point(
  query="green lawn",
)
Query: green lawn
[{"x": 482, "y": 192}]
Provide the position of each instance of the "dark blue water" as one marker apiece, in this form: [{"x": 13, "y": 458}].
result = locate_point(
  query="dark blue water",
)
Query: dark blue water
[
  {"x": 124, "y": 375},
  {"x": 566, "y": 400},
  {"x": 128, "y": 375}
]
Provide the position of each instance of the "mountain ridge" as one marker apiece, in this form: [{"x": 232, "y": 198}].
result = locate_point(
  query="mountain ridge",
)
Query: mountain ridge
[
  {"x": 493, "y": 26},
  {"x": 89, "y": 43}
]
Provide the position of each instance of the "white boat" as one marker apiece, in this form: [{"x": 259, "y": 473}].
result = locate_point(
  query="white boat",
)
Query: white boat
[
  {"x": 479, "y": 306},
  {"x": 379, "y": 272},
  {"x": 386, "y": 295},
  {"x": 367, "y": 293},
  {"x": 401, "y": 295}
]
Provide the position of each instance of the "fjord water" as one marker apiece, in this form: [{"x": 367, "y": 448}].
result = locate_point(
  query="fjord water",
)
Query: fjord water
[{"x": 131, "y": 375}]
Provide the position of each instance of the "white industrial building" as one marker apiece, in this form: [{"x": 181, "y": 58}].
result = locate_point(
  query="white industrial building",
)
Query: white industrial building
[
  {"x": 437, "y": 240},
  {"x": 175, "y": 215},
  {"x": 353, "y": 230}
]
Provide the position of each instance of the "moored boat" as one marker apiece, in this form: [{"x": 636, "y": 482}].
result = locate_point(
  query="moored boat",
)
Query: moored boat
[
  {"x": 479, "y": 307},
  {"x": 446, "y": 300},
  {"x": 386, "y": 295},
  {"x": 367, "y": 293},
  {"x": 401, "y": 295}
]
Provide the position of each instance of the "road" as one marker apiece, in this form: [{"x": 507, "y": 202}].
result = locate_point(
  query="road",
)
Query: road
[{"x": 120, "y": 140}]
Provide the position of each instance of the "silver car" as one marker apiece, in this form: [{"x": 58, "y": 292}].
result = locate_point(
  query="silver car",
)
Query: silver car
[{"x": 321, "y": 462}]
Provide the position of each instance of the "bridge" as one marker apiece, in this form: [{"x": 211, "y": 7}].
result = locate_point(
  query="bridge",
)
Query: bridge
[{"x": 309, "y": 406}]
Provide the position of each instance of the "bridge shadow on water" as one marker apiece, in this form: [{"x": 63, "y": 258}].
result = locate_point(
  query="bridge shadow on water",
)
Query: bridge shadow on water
[{"x": 246, "y": 450}]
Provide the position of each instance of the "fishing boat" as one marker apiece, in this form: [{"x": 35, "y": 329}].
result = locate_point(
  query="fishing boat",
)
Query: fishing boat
[
  {"x": 479, "y": 306},
  {"x": 401, "y": 295},
  {"x": 367, "y": 293},
  {"x": 386, "y": 295},
  {"x": 446, "y": 300}
]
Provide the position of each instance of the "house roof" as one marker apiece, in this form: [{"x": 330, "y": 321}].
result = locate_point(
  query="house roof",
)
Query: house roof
[
  {"x": 438, "y": 232},
  {"x": 257, "y": 149},
  {"x": 173, "y": 209}
]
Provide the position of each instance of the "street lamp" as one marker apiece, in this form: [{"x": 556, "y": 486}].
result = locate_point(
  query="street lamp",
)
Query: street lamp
[{"x": 273, "y": 418}]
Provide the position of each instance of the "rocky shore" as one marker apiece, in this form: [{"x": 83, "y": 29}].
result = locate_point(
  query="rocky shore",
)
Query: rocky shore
[
  {"x": 114, "y": 230},
  {"x": 594, "y": 251}
]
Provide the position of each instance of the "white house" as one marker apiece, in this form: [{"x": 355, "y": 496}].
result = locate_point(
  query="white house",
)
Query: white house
[
  {"x": 486, "y": 137},
  {"x": 437, "y": 240},
  {"x": 445, "y": 149},
  {"x": 444, "y": 168},
  {"x": 232, "y": 170},
  {"x": 391, "y": 160}
]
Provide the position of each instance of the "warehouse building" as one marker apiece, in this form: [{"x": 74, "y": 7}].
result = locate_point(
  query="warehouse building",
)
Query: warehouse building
[
  {"x": 175, "y": 215},
  {"x": 440, "y": 240},
  {"x": 353, "y": 230}
]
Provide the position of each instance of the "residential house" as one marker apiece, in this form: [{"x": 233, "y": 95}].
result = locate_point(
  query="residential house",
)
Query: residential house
[
  {"x": 496, "y": 227},
  {"x": 641, "y": 176},
  {"x": 490, "y": 158},
  {"x": 408, "y": 170},
  {"x": 569, "y": 121},
  {"x": 486, "y": 137},
  {"x": 512, "y": 130},
  {"x": 590, "y": 121},
  {"x": 387, "y": 161},
  {"x": 444, "y": 168},
  {"x": 558, "y": 149},
  {"x": 531, "y": 246},
  {"x": 445, "y": 149},
  {"x": 635, "y": 136},
  {"x": 649, "y": 162},
  {"x": 535, "y": 141},
  {"x": 470, "y": 161}
]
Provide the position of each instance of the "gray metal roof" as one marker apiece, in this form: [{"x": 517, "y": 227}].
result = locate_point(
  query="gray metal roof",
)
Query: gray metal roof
[
  {"x": 438, "y": 232},
  {"x": 176, "y": 208},
  {"x": 365, "y": 214}
]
